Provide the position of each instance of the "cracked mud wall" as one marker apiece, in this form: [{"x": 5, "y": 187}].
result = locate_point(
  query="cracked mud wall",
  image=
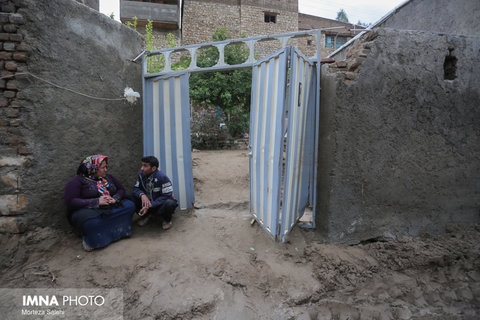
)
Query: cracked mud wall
[
  {"x": 399, "y": 150},
  {"x": 446, "y": 16},
  {"x": 78, "y": 48}
]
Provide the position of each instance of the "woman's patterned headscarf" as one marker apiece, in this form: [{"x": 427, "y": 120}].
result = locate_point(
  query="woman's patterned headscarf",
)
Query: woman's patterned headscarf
[{"x": 89, "y": 166}]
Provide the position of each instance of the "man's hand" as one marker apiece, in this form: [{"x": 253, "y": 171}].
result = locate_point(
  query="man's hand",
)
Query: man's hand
[
  {"x": 145, "y": 202},
  {"x": 142, "y": 211}
]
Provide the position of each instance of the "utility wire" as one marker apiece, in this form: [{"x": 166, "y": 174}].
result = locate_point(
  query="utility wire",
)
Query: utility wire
[{"x": 56, "y": 85}]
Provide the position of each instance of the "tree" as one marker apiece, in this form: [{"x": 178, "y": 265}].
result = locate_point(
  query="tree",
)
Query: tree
[
  {"x": 342, "y": 16},
  {"x": 363, "y": 24},
  {"x": 230, "y": 90}
]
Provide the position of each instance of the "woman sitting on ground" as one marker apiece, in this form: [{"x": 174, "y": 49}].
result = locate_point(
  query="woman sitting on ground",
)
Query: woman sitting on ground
[{"x": 94, "y": 204}]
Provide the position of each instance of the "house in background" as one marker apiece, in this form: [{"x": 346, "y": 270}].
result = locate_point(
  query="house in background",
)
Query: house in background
[
  {"x": 166, "y": 17},
  {"x": 331, "y": 39},
  {"x": 194, "y": 21}
]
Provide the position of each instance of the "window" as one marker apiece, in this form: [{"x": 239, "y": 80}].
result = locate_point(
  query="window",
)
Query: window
[
  {"x": 340, "y": 42},
  {"x": 270, "y": 17},
  {"x": 335, "y": 41}
]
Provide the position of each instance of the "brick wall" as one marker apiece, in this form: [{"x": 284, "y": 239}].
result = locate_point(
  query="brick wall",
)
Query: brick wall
[
  {"x": 200, "y": 21},
  {"x": 202, "y": 18},
  {"x": 246, "y": 18},
  {"x": 13, "y": 145},
  {"x": 253, "y": 24}
]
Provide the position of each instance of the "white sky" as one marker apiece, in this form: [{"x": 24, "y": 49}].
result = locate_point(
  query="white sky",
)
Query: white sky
[
  {"x": 109, "y": 6},
  {"x": 367, "y": 11}
]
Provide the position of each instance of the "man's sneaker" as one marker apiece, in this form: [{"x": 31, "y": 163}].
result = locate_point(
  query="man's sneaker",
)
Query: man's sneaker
[
  {"x": 86, "y": 247},
  {"x": 166, "y": 225}
]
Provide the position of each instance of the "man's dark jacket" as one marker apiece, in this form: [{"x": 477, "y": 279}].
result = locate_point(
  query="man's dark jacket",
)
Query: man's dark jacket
[{"x": 160, "y": 186}]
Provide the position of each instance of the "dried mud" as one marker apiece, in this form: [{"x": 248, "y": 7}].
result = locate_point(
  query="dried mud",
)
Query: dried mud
[{"x": 214, "y": 265}]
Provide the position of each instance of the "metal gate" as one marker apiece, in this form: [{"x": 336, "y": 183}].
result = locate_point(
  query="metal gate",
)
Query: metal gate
[
  {"x": 267, "y": 112},
  {"x": 300, "y": 147},
  {"x": 284, "y": 116},
  {"x": 166, "y": 132},
  {"x": 280, "y": 112}
]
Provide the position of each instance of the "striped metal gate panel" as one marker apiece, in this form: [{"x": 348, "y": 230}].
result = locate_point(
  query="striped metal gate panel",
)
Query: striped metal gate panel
[
  {"x": 267, "y": 111},
  {"x": 300, "y": 148},
  {"x": 166, "y": 132}
]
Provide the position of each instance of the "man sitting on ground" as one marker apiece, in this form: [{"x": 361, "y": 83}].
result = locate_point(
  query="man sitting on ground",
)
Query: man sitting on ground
[{"x": 153, "y": 193}]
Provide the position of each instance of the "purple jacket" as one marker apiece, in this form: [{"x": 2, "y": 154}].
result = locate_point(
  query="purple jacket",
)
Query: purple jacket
[{"x": 81, "y": 193}]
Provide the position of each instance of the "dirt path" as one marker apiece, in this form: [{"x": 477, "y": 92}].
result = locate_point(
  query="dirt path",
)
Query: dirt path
[
  {"x": 221, "y": 178},
  {"x": 214, "y": 265}
]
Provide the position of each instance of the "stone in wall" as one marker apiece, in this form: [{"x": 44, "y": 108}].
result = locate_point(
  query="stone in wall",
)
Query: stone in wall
[
  {"x": 348, "y": 69},
  {"x": 13, "y": 144}
]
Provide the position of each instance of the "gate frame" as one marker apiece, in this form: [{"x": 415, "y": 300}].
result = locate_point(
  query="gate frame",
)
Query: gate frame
[{"x": 221, "y": 65}]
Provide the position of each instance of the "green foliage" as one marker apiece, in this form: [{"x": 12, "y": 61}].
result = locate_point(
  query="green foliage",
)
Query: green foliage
[
  {"x": 154, "y": 63},
  {"x": 230, "y": 90},
  {"x": 234, "y": 54},
  {"x": 342, "y": 16},
  {"x": 183, "y": 64},
  {"x": 205, "y": 129},
  {"x": 239, "y": 121},
  {"x": 133, "y": 24},
  {"x": 170, "y": 40},
  {"x": 112, "y": 16},
  {"x": 157, "y": 63}
]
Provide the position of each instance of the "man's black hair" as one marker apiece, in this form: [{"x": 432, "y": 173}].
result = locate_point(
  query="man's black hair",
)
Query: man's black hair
[{"x": 151, "y": 160}]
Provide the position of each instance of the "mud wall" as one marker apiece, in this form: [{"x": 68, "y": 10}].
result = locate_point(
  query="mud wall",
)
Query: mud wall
[
  {"x": 446, "y": 16},
  {"x": 400, "y": 136},
  {"x": 49, "y": 129}
]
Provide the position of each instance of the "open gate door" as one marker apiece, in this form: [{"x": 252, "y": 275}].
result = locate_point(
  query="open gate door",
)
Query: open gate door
[
  {"x": 300, "y": 148},
  {"x": 166, "y": 132},
  {"x": 267, "y": 109},
  {"x": 271, "y": 115}
]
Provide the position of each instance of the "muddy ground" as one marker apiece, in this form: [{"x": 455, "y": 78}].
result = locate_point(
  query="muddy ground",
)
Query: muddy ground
[{"x": 214, "y": 265}]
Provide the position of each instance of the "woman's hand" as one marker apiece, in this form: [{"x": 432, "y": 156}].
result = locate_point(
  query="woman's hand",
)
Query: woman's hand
[
  {"x": 103, "y": 201},
  {"x": 106, "y": 200}
]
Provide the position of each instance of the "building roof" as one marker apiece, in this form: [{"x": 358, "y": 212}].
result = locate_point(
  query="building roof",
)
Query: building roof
[
  {"x": 310, "y": 22},
  {"x": 376, "y": 24}
]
